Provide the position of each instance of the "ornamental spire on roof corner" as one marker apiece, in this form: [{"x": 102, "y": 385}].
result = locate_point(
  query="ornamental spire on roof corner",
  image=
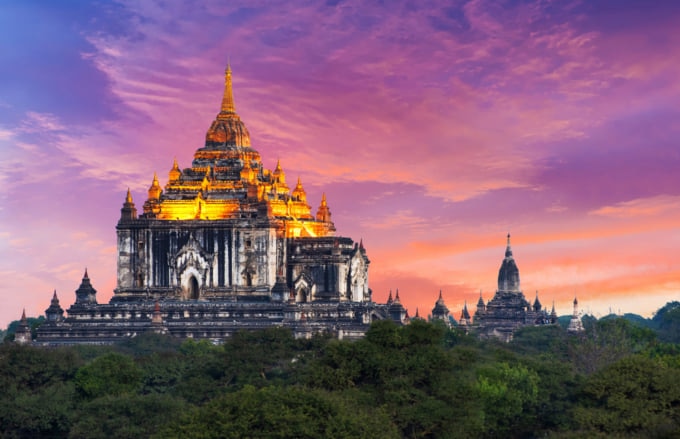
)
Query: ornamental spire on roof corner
[{"x": 508, "y": 250}]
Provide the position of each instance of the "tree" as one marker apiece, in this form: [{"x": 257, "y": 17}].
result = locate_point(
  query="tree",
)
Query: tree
[
  {"x": 280, "y": 412},
  {"x": 110, "y": 374},
  {"x": 508, "y": 393},
  {"x": 634, "y": 396},
  {"x": 667, "y": 320},
  {"x": 37, "y": 397},
  {"x": 607, "y": 341},
  {"x": 126, "y": 416}
]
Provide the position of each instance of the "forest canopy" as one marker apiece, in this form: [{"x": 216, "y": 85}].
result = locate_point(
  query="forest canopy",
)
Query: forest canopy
[{"x": 620, "y": 378}]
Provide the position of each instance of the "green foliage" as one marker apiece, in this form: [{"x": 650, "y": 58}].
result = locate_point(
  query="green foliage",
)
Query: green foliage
[
  {"x": 422, "y": 380},
  {"x": 259, "y": 357},
  {"x": 162, "y": 372},
  {"x": 607, "y": 341},
  {"x": 110, "y": 374},
  {"x": 508, "y": 393},
  {"x": 32, "y": 368},
  {"x": 408, "y": 372},
  {"x": 667, "y": 320},
  {"x": 37, "y": 396},
  {"x": 634, "y": 396},
  {"x": 148, "y": 343},
  {"x": 277, "y": 412},
  {"x": 535, "y": 340},
  {"x": 126, "y": 416},
  {"x": 43, "y": 413}
]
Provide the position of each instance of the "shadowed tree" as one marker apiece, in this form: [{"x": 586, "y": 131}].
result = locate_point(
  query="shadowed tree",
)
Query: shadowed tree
[{"x": 110, "y": 374}]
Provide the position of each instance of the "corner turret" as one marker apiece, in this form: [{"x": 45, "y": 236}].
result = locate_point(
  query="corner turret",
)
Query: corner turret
[
  {"x": 86, "y": 294},
  {"x": 299, "y": 193},
  {"x": 129, "y": 211},
  {"x": 324, "y": 213},
  {"x": 465, "y": 319},
  {"x": 537, "y": 303},
  {"x": 397, "y": 311},
  {"x": 22, "y": 335},
  {"x": 54, "y": 313},
  {"x": 152, "y": 204},
  {"x": 175, "y": 173}
]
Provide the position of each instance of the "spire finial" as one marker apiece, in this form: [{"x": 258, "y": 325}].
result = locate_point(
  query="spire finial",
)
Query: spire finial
[
  {"x": 128, "y": 197},
  {"x": 23, "y": 316},
  {"x": 54, "y": 296},
  {"x": 508, "y": 250},
  {"x": 228, "y": 98},
  {"x": 440, "y": 294},
  {"x": 85, "y": 276}
]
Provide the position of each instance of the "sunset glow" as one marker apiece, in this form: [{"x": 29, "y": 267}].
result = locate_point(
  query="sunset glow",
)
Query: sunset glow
[{"x": 431, "y": 132}]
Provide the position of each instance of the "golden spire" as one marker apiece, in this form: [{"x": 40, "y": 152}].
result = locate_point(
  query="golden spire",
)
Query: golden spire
[
  {"x": 155, "y": 189},
  {"x": 323, "y": 213},
  {"x": 299, "y": 192},
  {"x": 228, "y": 98},
  {"x": 279, "y": 175},
  {"x": 174, "y": 173},
  {"x": 128, "y": 198}
]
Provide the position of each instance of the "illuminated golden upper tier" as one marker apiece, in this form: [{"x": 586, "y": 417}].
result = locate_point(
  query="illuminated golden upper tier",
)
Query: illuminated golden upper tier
[{"x": 227, "y": 180}]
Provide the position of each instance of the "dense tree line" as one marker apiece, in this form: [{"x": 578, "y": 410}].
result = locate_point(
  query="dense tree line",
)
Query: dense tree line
[{"x": 618, "y": 379}]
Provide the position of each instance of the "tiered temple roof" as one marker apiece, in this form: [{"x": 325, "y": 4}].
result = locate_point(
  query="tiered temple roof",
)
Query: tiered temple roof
[{"x": 227, "y": 180}]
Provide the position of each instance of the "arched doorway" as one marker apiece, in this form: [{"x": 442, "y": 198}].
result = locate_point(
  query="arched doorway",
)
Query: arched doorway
[
  {"x": 193, "y": 288},
  {"x": 301, "y": 296}
]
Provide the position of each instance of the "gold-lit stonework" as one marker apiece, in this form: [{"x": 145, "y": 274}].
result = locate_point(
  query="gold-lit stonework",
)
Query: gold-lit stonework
[{"x": 227, "y": 181}]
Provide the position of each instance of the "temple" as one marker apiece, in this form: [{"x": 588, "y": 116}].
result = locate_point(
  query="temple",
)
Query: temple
[
  {"x": 509, "y": 309},
  {"x": 224, "y": 245},
  {"x": 575, "y": 323}
]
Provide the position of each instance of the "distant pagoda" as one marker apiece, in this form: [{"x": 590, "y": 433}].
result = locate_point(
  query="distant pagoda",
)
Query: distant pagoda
[{"x": 509, "y": 309}]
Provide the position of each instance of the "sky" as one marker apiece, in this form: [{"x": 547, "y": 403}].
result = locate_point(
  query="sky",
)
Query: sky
[{"x": 434, "y": 128}]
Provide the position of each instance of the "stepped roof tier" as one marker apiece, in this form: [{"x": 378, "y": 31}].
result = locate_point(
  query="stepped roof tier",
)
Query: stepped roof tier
[{"x": 227, "y": 180}]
